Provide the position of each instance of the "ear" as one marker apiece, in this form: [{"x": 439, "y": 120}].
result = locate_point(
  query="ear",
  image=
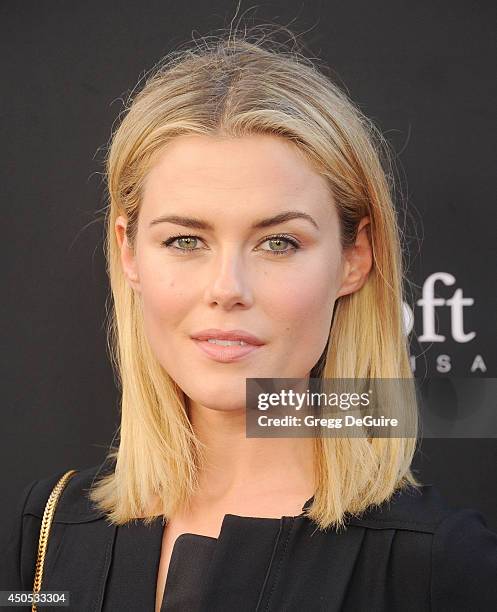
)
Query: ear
[
  {"x": 358, "y": 260},
  {"x": 128, "y": 260}
]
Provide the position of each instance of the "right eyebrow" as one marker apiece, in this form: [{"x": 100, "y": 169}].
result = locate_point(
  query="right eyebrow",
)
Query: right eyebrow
[{"x": 186, "y": 221}]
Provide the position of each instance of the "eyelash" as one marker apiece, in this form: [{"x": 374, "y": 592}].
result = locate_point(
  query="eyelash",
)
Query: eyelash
[{"x": 295, "y": 244}]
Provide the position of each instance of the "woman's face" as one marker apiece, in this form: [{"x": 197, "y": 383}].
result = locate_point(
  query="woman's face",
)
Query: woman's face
[{"x": 235, "y": 265}]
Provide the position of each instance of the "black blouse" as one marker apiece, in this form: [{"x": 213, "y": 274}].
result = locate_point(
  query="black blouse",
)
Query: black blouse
[
  {"x": 137, "y": 552},
  {"x": 413, "y": 553},
  {"x": 187, "y": 574}
]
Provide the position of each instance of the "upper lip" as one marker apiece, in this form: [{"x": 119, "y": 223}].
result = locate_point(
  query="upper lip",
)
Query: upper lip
[{"x": 233, "y": 334}]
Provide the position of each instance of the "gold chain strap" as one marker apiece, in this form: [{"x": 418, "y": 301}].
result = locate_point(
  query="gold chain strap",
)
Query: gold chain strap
[{"x": 46, "y": 523}]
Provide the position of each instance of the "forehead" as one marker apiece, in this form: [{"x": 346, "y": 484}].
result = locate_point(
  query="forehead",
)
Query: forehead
[{"x": 250, "y": 175}]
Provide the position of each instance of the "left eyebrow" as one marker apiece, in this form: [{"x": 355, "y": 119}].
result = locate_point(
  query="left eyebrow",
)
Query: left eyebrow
[{"x": 262, "y": 223}]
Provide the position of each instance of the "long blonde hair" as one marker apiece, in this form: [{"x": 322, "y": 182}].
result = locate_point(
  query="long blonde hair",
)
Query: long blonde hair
[{"x": 229, "y": 85}]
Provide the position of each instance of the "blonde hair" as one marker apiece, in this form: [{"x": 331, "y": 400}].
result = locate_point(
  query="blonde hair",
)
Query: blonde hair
[{"x": 232, "y": 86}]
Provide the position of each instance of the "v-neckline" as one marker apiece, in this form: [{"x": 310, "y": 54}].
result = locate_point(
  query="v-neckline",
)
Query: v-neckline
[
  {"x": 228, "y": 519},
  {"x": 137, "y": 547}
]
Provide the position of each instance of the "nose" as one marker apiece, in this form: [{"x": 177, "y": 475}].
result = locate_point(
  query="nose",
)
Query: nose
[{"x": 228, "y": 284}]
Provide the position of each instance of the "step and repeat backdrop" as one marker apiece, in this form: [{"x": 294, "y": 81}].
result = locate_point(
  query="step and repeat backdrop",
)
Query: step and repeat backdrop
[{"x": 421, "y": 71}]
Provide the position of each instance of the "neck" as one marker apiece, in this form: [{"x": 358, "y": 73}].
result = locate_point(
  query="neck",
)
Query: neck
[{"x": 235, "y": 464}]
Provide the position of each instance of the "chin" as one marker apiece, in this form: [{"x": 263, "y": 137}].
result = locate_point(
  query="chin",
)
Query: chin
[
  {"x": 221, "y": 407},
  {"x": 220, "y": 399}
]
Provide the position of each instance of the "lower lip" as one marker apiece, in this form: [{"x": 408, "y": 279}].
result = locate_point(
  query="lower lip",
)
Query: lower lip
[{"x": 226, "y": 354}]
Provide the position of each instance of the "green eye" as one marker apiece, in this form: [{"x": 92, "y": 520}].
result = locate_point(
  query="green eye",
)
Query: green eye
[
  {"x": 187, "y": 241},
  {"x": 280, "y": 241}
]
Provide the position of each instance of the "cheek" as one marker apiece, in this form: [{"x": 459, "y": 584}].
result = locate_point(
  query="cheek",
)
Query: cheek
[
  {"x": 303, "y": 301},
  {"x": 301, "y": 317},
  {"x": 166, "y": 300},
  {"x": 164, "y": 293}
]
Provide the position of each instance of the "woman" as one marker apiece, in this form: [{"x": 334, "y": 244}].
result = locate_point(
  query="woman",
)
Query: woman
[{"x": 250, "y": 234}]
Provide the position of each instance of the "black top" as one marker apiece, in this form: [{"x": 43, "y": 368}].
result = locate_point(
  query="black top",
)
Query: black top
[
  {"x": 137, "y": 551},
  {"x": 187, "y": 573},
  {"x": 413, "y": 553}
]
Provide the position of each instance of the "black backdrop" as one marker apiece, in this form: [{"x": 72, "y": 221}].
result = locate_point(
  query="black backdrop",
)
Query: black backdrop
[{"x": 423, "y": 71}]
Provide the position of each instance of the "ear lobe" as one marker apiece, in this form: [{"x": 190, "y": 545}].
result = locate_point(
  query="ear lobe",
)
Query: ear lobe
[
  {"x": 358, "y": 261},
  {"x": 352, "y": 280},
  {"x": 128, "y": 259}
]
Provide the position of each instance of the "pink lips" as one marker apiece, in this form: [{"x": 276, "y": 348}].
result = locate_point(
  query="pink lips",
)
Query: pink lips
[{"x": 226, "y": 354}]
